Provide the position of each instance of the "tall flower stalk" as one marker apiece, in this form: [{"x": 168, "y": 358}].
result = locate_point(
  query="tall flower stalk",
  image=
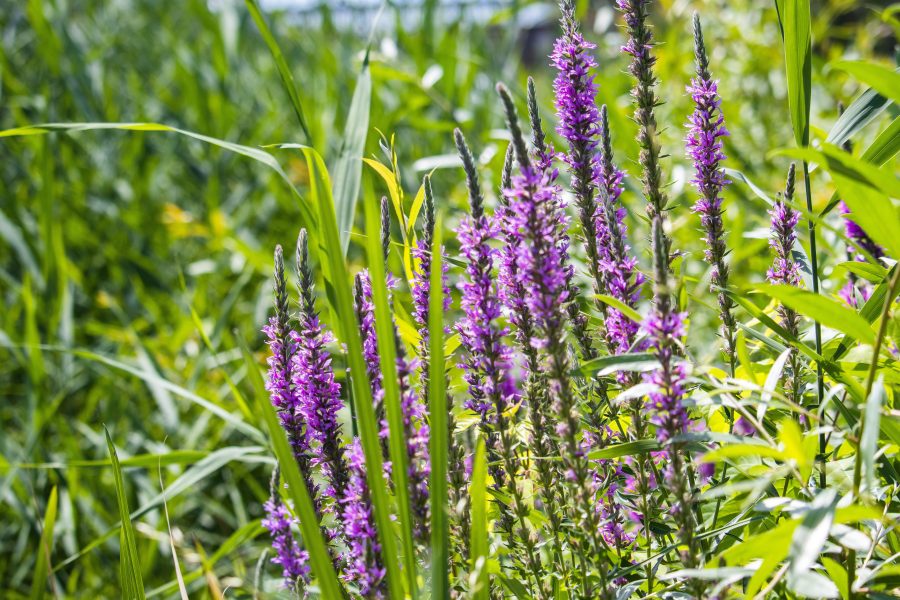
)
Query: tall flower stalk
[
  {"x": 319, "y": 393},
  {"x": 640, "y": 47},
  {"x": 665, "y": 329},
  {"x": 578, "y": 123},
  {"x": 786, "y": 271},
  {"x": 365, "y": 566},
  {"x": 535, "y": 215},
  {"x": 706, "y": 128},
  {"x": 488, "y": 364}
]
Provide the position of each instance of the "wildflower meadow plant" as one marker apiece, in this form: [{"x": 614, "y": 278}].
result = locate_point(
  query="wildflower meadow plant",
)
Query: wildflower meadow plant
[
  {"x": 567, "y": 375},
  {"x": 613, "y": 462}
]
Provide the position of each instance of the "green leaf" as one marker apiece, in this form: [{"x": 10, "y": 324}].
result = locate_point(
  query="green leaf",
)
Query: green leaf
[
  {"x": 478, "y": 546},
  {"x": 287, "y": 78},
  {"x": 620, "y": 306},
  {"x": 871, "y": 427},
  {"x": 885, "y": 146},
  {"x": 758, "y": 191},
  {"x": 827, "y": 311},
  {"x": 843, "y": 165},
  {"x": 319, "y": 557},
  {"x": 437, "y": 411},
  {"x": 45, "y": 548},
  {"x": 348, "y": 166},
  {"x": 604, "y": 365},
  {"x": 348, "y": 332},
  {"x": 809, "y": 538},
  {"x": 130, "y": 564},
  {"x": 874, "y": 212},
  {"x": 387, "y": 354},
  {"x": 794, "y": 16},
  {"x": 626, "y": 449},
  {"x": 860, "y": 113},
  {"x": 838, "y": 574},
  {"x": 882, "y": 79}
]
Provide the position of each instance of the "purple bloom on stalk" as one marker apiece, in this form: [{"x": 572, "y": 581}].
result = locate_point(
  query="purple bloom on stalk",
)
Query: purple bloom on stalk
[
  {"x": 313, "y": 378},
  {"x": 855, "y": 289},
  {"x": 488, "y": 361},
  {"x": 785, "y": 269},
  {"x": 365, "y": 566},
  {"x": 294, "y": 561},
  {"x": 706, "y": 128},
  {"x": 621, "y": 276},
  {"x": 665, "y": 330}
]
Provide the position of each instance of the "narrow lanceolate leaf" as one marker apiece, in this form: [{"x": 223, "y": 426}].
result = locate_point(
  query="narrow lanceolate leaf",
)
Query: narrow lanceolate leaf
[
  {"x": 868, "y": 444},
  {"x": 827, "y": 311},
  {"x": 811, "y": 534},
  {"x": 479, "y": 531},
  {"x": 348, "y": 332},
  {"x": 319, "y": 558},
  {"x": 872, "y": 210},
  {"x": 626, "y": 449},
  {"x": 439, "y": 442},
  {"x": 348, "y": 166},
  {"x": 794, "y": 16},
  {"x": 884, "y": 147},
  {"x": 45, "y": 547},
  {"x": 387, "y": 354},
  {"x": 130, "y": 564},
  {"x": 882, "y": 79},
  {"x": 860, "y": 113},
  {"x": 605, "y": 365},
  {"x": 284, "y": 71},
  {"x": 842, "y": 164}
]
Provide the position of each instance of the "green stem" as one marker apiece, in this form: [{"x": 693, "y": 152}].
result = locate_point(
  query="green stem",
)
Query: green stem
[{"x": 814, "y": 265}]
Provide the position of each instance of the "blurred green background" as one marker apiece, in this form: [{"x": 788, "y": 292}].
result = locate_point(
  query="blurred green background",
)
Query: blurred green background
[{"x": 133, "y": 264}]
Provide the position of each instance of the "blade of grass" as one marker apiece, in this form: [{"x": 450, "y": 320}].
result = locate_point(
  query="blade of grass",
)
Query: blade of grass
[
  {"x": 347, "y": 330},
  {"x": 479, "y": 532},
  {"x": 287, "y": 78},
  {"x": 42, "y": 562},
  {"x": 794, "y": 16},
  {"x": 348, "y": 165},
  {"x": 387, "y": 353},
  {"x": 178, "y": 576},
  {"x": 132, "y": 581},
  {"x": 437, "y": 410}
]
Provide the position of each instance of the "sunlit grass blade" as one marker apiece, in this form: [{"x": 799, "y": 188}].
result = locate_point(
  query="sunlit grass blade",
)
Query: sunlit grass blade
[
  {"x": 830, "y": 313},
  {"x": 182, "y": 591},
  {"x": 883, "y": 80},
  {"x": 348, "y": 331},
  {"x": 387, "y": 355},
  {"x": 45, "y": 547},
  {"x": 866, "y": 107},
  {"x": 479, "y": 542},
  {"x": 794, "y": 17},
  {"x": 130, "y": 564},
  {"x": 287, "y": 77},
  {"x": 319, "y": 558},
  {"x": 439, "y": 442},
  {"x": 348, "y": 165}
]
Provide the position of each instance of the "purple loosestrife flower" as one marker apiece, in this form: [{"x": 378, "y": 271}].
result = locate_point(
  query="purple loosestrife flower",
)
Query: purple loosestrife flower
[
  {"x": 280, "y": 380},
  {"x": 535, "y": 215},
  {"x": 704, "y": 147},
  {"x": 621, "y": 276},
  {"x": 856, "y": 289},
  {"x": 665, "y": 328},
  {"x": 294, "y": 561},
  {"x": 319, "y": 393},
  {"x": 579, "y": 125},
  {"x": 786, "y": 271},
  {"x": 365, "y": 566}
]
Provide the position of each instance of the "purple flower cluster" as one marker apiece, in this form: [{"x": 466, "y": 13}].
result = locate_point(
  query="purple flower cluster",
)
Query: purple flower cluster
[
  {"x": 665, "y": 330},
  {"x": 575, "y": 94},
  {"x": 320, "y": 400},
  {"x": 365, "y": 567},
  {"x": 785, "y": 269},
  {"x": 279, "y": 384},
  {"x": 293, "y": 560},
  {"x": 536, "y": 220},
  {"x": 421, "y": 285},
  {"x": 704, "y": 146},
  {"x": 488, "y": 361},
  {"x": 855, "y": 289}
]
